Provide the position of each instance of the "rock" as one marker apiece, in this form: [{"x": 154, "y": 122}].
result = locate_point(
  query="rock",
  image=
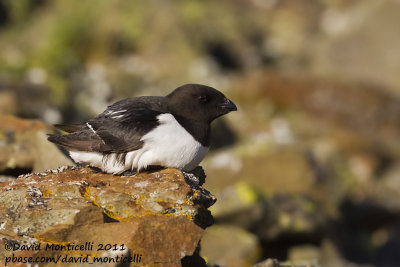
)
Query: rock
[
  {"x": 276, "y": 263},
  {"x": 242, "y": 175},
  {"x": 358, "y": 42},
  {"x": 238, "y": 205},
  {"x": 227, "y": 245},
  {"x": 304, "y": 254},
  {"x": 383, "y": 191},
  {"x": 157, "y": 217},
  {"x": 330, "y": 256},
  {"x": 289, "y": 215},
  {"x": 276, "y": 176},
  {"x": 334, "y": 152},
  {"x": 333, "y": 103},
  {"x": 8, "y": 102},
  {"x": 24, "y": 147},
  {"x": 269, "y": 216},
  {"x": 268, "y": 263},
  {"x": 310, "y": 256},
  {"x": 6, "y": 178}
]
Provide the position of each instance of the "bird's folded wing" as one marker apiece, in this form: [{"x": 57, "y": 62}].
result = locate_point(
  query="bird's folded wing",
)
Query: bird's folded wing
[
  {"x": 85, "y": 140},
  {"x": 118, "y": 129}
]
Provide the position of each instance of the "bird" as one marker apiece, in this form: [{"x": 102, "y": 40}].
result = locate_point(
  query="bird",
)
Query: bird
[{"x": 136, "y": 133}]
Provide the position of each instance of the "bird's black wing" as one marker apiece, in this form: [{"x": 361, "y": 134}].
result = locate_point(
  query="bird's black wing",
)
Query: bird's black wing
[{"x": 118, "y": 129}]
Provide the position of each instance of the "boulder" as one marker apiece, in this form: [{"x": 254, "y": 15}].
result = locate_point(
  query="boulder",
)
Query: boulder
[
  {"x": 77, "y": 215},
  {"x": 24, "y": 147},
  {"x": 228, "y": 245}
]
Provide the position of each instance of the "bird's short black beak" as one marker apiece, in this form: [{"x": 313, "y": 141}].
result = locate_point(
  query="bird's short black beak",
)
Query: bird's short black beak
[{"x": 228, "y": 105}]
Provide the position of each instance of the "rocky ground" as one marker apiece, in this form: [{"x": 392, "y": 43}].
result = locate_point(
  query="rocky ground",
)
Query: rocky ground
[
  {"x": 24, "y": 148},
  {"x": 160, "y": 216},
  {"x": 313, "y": 181},
  {"x": 307, "y": 171}
]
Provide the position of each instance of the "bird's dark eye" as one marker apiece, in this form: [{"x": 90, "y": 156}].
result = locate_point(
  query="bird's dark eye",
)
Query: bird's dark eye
[{"x": 204, "y": 98}]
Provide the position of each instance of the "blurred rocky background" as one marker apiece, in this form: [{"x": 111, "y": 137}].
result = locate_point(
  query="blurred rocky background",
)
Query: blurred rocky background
[{"x": 307, "y": 171}]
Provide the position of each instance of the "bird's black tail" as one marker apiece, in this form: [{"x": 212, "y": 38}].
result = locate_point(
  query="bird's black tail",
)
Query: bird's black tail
[{"x": 54, "y": 138}]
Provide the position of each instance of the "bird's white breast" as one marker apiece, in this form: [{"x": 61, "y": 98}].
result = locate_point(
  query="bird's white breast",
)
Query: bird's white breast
[{"x": 169, "y": 145}]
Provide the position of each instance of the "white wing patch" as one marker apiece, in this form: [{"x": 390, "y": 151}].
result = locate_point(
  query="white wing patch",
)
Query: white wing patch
[
  {"x": 91, "y": 128},
  {"x": 116, "y": 114},
  {"x": 117, "y": 117}
]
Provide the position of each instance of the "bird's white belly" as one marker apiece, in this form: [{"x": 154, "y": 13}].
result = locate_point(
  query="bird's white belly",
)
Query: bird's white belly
[{"x": 168, "y": 145}]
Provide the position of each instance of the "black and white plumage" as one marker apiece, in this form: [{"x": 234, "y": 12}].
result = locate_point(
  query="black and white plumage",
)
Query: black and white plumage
[{"x": 134, "y": 133}]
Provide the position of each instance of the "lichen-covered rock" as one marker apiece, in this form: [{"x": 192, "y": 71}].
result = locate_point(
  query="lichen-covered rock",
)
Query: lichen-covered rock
[
  {"x": 334, "y": 108},
  {"x": 158, "y": 217}
]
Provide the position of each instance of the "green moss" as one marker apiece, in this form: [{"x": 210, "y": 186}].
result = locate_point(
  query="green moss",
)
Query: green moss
[
  {"x": 192, "y": 11},
  {"x": 18, "y": 10},
  {"x": 68, "y": 37},
  {"x": 59, "y": 90},
  {"x": 246, "y": 194}
]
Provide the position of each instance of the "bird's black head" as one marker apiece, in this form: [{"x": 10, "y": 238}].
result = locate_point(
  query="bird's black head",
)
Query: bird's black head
[{"x": 199, "y": 102}]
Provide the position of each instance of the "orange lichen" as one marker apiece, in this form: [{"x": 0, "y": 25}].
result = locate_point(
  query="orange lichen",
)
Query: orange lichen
[
  {"x": 46, "y": 193},
  {"x": 127, "y": 216},
  {"x": 19, "y": 125}
]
